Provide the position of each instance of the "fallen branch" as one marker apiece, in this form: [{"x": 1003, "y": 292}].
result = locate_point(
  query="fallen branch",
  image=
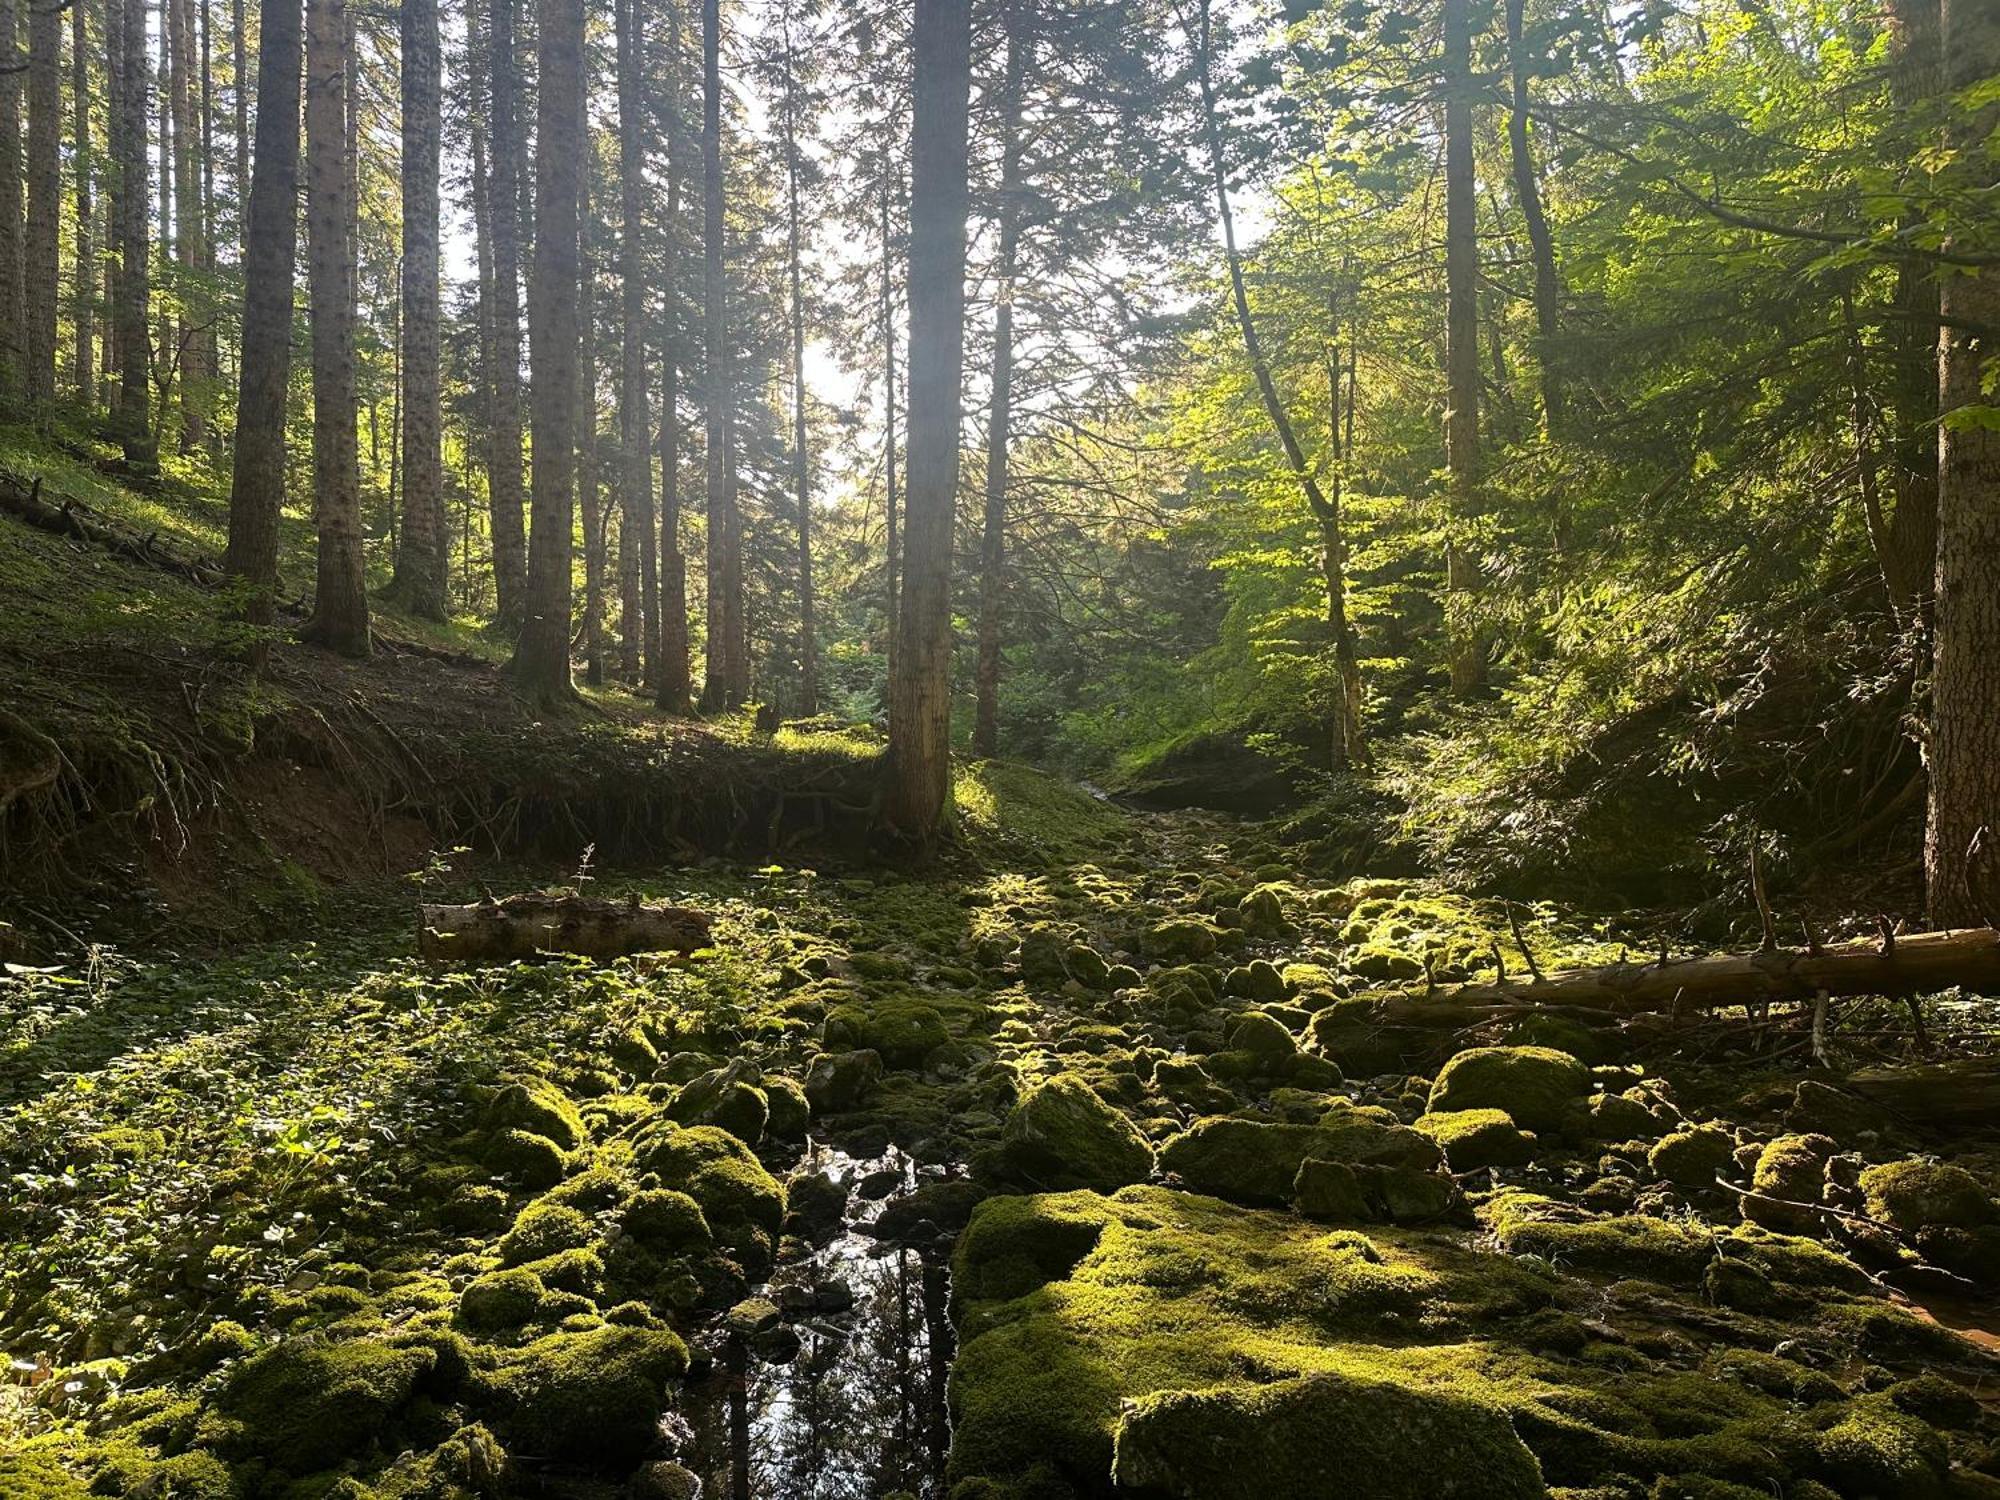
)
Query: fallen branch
[
  {"x": 74, "y": 518},
  {"x": 527, "y": 926},
  {"x": 1907, "y": 964}
]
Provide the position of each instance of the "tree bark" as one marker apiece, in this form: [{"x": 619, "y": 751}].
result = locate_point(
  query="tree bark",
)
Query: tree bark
[
  {"x": 134, "y": 216},
  {"x": 801, "y": 459},
  {"x": 1541, "y": 247},
  {"x": 673, "y": 688},
  {"x": 726, "y": 673},
  {"x": 340, "y": 601},
  {"x": 596, "y": 515},
  {"x": 257, "y": 487},
  {"x": 528, "y": 925},
  {"x": 1000, "y": 405},
  {"x": 503, "y": 212},
  {"x": 421, "y": 551},
  {"x": 13, "y": 332},
  {"x": 919, "y": 758},
  {"x": 1466, "y": 644},
  {"x": 635, "y": 483},
  {"x": 83, "y": 306},
  {"x": 42, "y": 248},
  {"x": 892, "y": 565},
  {"x": 1961, "y": 861},
  {"x": 477, "y": 108},
  {"x": 541, "y": 666},
  {"x": 191, "y": 238},
  {"x": 239, "y": 64}
]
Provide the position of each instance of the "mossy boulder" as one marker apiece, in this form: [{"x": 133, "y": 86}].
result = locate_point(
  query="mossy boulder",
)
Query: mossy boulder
[
  {"x": 666, "y": 1222},
  {"x": 1260, "y": 981},
  {"x": 1264, "y": 1038},
  {"x": 1263, "y": 913},
  {"x": 901, "y": 1029},
  {"x": 1472, "y": 1139},
  {"x": 788, "y": 1112},
  {"x": 523, "y": 1158},
  {"x": 1538, "y": 1087},
  {"x": 1693, "y": 1156},
  {"x": 500, "y": 1300},
  {"x": 538, "y": 1106},
  {"x": 589, "y": 1398},
  {"x": 1179, "y": 940},
  {"x": 1062, "y": 1135},
  {"x": 1875, "y": 1448},
  {"x": 1012, "y": 1245},
  {"x": 1620, "y": 1117},
  {"x": 839, "y": 1081},
  {"x": 308, "y": 1404},
  {"x": 542, "y": 1229},
  {"x": 1914, "y": 1195},
  {"x": 1384, "y": 964},
  {"x": 723, "y": 1098},
  {"x": 1320, "y": 1434},
  {"x": 1245, "y": 1161},
  {"x": 742, "y": 1202},
  {"x": 1044, "y": 957},
  {"x": 1791, "y": 1168}
]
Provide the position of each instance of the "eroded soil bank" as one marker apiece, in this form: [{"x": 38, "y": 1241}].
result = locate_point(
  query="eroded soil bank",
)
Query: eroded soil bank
[{"x": 1086, "y": 1165}]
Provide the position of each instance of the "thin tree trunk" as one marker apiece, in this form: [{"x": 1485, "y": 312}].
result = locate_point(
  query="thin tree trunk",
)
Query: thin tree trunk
[
  {"x": 801, "y": 460},
  {"x": 726, "y": 676},
  {"x": 1961, "y": 860},
  {"x": 1467, "y": 644},
  {"x": 596, "y": 515},
  {"x": 673, "y": 689},
  {"x": 1528, "y": 190},
  {"x": 189, "y": 219},
  {"x": 635, "y": 477},
  {"x": 83, "y": 307},
  {"x": 919, "y": 758},
  {"x": 892, "y": 566},
  {"x": 420, "y": 554},
  {"x": 1910, "y": 557},
  {"x": 1000, "y": 410},
  {"x": 541, "y": 666},
  {"x": 13, "y": 332},
  {"x": 43, "y": 268},
  {"x": 134, "y": 215},
  {"x": 486, "y": 403},
  {"x": 257, "y": 489},
  {"x": 340, "y": 603},
  {"x": 503, "y": 215},
  {"x": 239, "y": 45},
  {"x": 1348, "y": 747},
  {"x": 1325, "y": 513}
]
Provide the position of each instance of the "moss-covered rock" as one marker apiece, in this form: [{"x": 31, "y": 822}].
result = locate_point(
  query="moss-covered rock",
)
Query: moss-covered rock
[
  {"x": 590, "y": 1398},
  {"x": 1537, "y": 1086},
  {"x": 1043, "y": 959},
  {"x": 1475, "y": 1138},
  {"x": 1876, "y": 1448},
  {"x": 1179, "y": 940},
  {"x": 1062, "y": 1135},
  {"x": 1246, "y": 1161},
  {"x": 743, "y": 1203},
  {"x": 901, "y": 1029},
  {"x": 527, "y": 1160},
  {"x": 542, "y": 1229},
  {"x": 1384, "y": 964},
  {"x": 1305, "y": 1438},
  {"x": 722, "y": 1098},
  {"x": 840, "y": 1081},
  {"x": 538, "y": 1106},
  {"x": 1693, "y": 1156},
  {"x": 500, "y": 1300},
  {"x": 1791, "y": 1168},
  {"x": 666, "y": 1221},
  {"x": 788, "y": 1111},
  {"x": 1263, "y": 913},
  {"x": 1620, "y": 1117},
  {"x": 1915, "y": 1195},
  {"x": 1265, "y": 1039},
  {"x": 309, "y": 1403}
]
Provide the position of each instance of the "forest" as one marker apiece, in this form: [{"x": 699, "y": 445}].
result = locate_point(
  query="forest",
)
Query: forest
[{"x": 999, "y": 749}]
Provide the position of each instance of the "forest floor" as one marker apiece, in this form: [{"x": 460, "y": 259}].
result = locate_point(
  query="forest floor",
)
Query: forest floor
[{"x": 1089, "y": 1161}]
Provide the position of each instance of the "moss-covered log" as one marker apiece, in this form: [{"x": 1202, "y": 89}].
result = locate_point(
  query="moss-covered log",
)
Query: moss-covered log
[
  {"x": 527, "y": 925},
  {"x": 1914, "y": 964}
]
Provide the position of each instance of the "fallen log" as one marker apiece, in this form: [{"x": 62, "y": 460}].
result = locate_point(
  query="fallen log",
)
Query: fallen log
[
  {"x": 526, "y": 926},
  {"x": 1919, "y": 963},
  {"x": 74, "y": 518},
  {"x": 1963, "y": 1094}
]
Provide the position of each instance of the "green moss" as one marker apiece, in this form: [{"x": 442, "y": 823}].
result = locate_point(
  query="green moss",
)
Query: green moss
[
  {"x": 1384, "y": 964},
  {"x": 592, "y": 1398},
  {"x": 39, "y": 1475},
  {"x": 1264, "y": 1038},
  {"x": 1287, "y": 1440},
  {"x": 1247, "y": 1161},
  {"x": 743, "y": 1203},
  {"x": 1526, "y": 1223},
  {"x": 575, "y": 1270},
  {"x": 1179, "y": 940},
  {"x": 536, "y": 1105},
  {"x": 1013, "y": 1245},
  {"x": 1062, "y": 1135},
  {"x": 1537, "y": 1086},
  {"x": 901, "y": 1029},
  {"x": 1875, "y": 1448},
  {"x": 500, "y": 1300},
  {"x": 666, "y": 1222},
  {"x": 1915, "y": 1195},
  {"x": 720, "y": 1098},
  {"x": 544, "y": 1228},
  {"x": 307, "y": 1404},
  {"x": 524, "y": 1158},
  {"x": 788, "y": 1112},
  {"x": 1476, "y": 1138},
  {"x": 1693, "y": 1155}
]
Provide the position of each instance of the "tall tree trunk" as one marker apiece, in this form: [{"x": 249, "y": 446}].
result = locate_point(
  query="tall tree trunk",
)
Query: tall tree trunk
[
  {"x": 42, "y": 248},
  {"x": 1467, "y": 643},
  {"x": 1348, "y": 747},
  {"x": 421, "y": 551},
  {"x": 919, "y": 757},
  {"x": 1962, "y": 845},
  {"x": 271, "y": 237},
  {"x": 134, "y": 216},
  {"x": 801, "y": 460},
  {"x": 190, "y": 245},
  {"x": 726, "y": 675},
  {"x": 239, "y": 45},
  {"x": 1325, "y": 513},
  {"x": 13, "y": 331},
  {"x": 208, "y": 342},
  {"x": 486, "y": 402},
  {"x": 595, "y": 514},
  {"x": 84, "y": 287},
  {"x": 673, "y": 688},
  {"x": 892, "y": 563},
  {"x": 1000, "y": 410},
  {"x": 503, "y": 214},
  {"x": 635, "y": 448},
  {"x": 1909, "y": 556},
  {"x": 541, "y": 661},
  {"x": 1528, "y": 191},
  {"x": 340, "y": 602}
]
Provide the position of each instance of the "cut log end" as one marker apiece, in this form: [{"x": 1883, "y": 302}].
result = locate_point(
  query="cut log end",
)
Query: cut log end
[{"x": 532, "y": 925}]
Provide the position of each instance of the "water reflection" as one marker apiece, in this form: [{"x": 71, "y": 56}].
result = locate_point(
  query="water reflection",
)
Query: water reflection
[{"x": 857, "y": 1412}]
